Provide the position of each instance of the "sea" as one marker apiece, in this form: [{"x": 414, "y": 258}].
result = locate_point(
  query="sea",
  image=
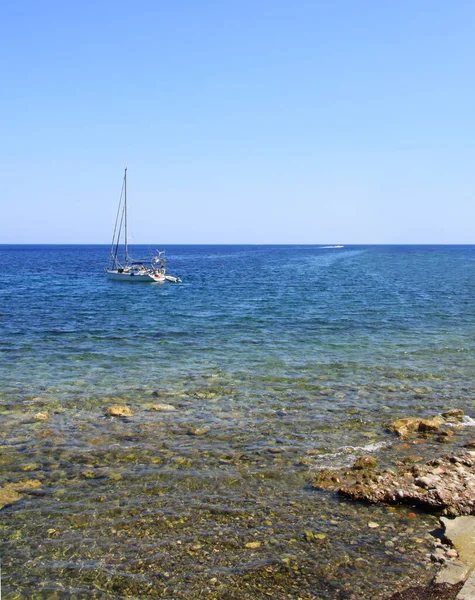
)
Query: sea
[{"x": 266, "y": 364}]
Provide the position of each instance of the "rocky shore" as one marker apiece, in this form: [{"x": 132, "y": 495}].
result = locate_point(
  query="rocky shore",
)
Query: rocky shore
[
  {"x": 443, "y": 485},
  {"x": 290, "y": 546}
]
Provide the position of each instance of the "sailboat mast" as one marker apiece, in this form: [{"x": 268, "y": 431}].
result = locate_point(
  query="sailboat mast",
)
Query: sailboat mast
[{"x": 125, "y": 215}]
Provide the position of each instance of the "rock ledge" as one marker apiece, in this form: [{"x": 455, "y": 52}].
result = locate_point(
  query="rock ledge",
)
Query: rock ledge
[{"x": 444, "y": 486}]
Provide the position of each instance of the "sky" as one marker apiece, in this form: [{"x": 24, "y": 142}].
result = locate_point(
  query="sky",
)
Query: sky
[{"x": 263, "y": 121}]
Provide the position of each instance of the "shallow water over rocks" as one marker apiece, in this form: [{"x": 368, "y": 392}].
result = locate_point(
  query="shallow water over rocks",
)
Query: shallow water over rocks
[{"x": 268, "y": 381}]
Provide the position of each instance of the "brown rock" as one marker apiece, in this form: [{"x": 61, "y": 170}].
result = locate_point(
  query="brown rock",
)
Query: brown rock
[
  {"x": 411, "y": 459},
  {"x": 164, "y": 407},
  {"x": 119, "y": 411},
  {"x": 445, "y": 486},
  {"x": 364, "y": 462},
  {"x": 253, "y": 545},
  {"x": 41, "y": 416},
  {"x": 327, "y": 479},
  {"x": 404, "y": 426},
  {"x": 453, "y": 414},
  {"x": 198, "y": 430},
  {"x": 446, "y": 433},
  {"x": 12, "y": 492},
  {"x": 25, "y": 486},
  {"x": 8, "y": 496},
  {"x": 428, "y": 425},
  {"x": 443, "y": 439}
]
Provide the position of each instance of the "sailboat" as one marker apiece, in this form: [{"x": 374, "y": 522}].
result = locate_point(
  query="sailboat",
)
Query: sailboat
[{"x": 122, "y": 267}]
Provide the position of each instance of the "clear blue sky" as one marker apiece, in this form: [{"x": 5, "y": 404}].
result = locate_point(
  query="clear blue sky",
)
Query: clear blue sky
[{"x": 263, "y": 121}]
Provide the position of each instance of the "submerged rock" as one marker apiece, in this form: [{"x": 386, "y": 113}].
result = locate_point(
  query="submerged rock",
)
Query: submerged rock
[
  {"x": 427, "y": 425},
  {"x": 8, "y": 496},
  {"x": 365, "y": 462},
  {"x": 119, "y": 411},
  {"x": 403, "y": 427},
  {"x": 198, "y": 430},
  {"x": 12, "y": 492},
  {"x": 453, "y": 414},
  {"x": 41, "y": 416},
  {"x": 92, "y": 474},
  {"x": 311, "y": 536},
  {"x": 165, "y": 407}
]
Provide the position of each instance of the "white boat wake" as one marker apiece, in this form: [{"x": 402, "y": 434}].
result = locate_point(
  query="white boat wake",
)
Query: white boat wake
[{"x": 343, "y": 457}]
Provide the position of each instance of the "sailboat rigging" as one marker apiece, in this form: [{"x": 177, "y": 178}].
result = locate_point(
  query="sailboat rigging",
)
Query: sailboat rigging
[{"x": 127, "y": 269}]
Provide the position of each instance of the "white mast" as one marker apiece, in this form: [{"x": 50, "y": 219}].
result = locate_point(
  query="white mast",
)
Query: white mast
[{"x": 125, "y": 215}]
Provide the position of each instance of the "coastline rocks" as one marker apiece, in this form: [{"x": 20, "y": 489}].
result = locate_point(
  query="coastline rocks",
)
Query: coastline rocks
[
  {"x": 119, "y": 411},
  {"x": 426, "y": 482},
  {"x": 428, "y": 425},
  {"x": 453, "y": 415},
  {"x": 445, "y": 486},
  {"x": 403, "y": 427},
  {"x": 444, "y": 437},
  {"x": 460, "y": 532},
  {"x": 365, "y": 462}
]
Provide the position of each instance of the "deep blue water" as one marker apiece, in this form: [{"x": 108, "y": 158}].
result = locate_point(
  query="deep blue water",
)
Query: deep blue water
[
  {"x": 284, "y": 358},
  {"x": 240, "y": 308}
]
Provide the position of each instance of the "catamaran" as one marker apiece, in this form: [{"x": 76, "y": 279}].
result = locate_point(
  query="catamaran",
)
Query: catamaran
[{"x": 125, "y": 268}]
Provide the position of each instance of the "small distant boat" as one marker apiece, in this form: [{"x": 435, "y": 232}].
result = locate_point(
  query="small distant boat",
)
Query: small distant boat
[
  {"x": 324, "y": 247},
  {"x": 133, "y": 270}
]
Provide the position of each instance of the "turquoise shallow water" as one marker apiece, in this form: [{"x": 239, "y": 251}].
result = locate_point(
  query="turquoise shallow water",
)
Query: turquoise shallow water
[{"x": 281, "y": 357}]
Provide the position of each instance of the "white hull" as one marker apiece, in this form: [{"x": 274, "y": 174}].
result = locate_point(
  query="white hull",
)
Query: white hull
[{"x": 134, "y": 277}]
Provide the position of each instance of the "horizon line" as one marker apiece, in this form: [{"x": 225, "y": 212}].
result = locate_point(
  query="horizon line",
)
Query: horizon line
[{"x": 242, "y": 244}]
